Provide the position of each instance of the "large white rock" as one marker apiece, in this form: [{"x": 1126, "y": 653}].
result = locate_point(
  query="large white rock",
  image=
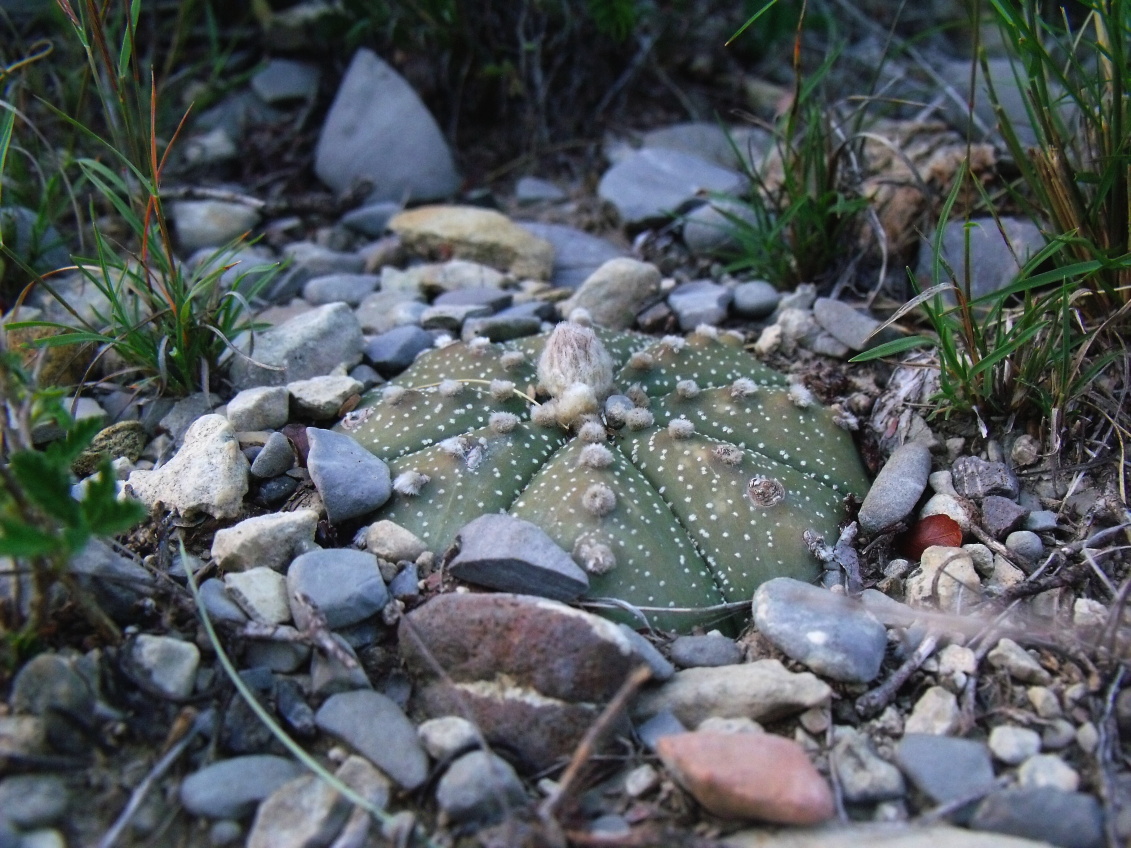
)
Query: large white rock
[{"x": 208, "y": 474}]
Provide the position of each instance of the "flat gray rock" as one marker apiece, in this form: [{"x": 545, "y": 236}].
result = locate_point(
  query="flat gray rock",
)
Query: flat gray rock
[
  {"x": 264, "y": 540},
  {"x": 378, "y": 130},
  {"x": 992, "y": 262},
  {"x": 577, "y": 254},
  {"x": 350, "y": 480},
  {"x": 286, "y": 79},
  {"x": 897, "y": 488},
  {"x": 756, "y": 299},
  {"x": 343, "y": 584},
  {"x": 309, "y": 345},
  {"x": 346, "y": 288},
  {"x": 715, "y": 226},
  {"x": 277, "y": 457},
  {"x": 1067, "y": 819},
  {"x": 849, "y": 326},
  {"x": 706, "y": 651},
  {"x": 479, "y": 787},
  {"x": 653, "y": 183},
  {"x": 512, "y": 555},
  {"x": 230, "y": 789},
  {"x": 832, "y": 634},
  {"x": 378, "y": 730},
  {"x": 699, "y": 302},
  {"x": 394, "y": 350},
  {"x": 307, "y": 261},
  {"x": 944, "y": 768},
  {"x": 31, "y": 801}
]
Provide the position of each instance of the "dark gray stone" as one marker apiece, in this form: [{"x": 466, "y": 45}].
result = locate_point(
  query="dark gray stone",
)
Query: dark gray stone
[
  {"x": 231, "y": 789},
  {"x": 384, "y": 310},
  {"x": 219, "y": 606},
  {"x": 277, "y": 457},
  {"x": 306, "y": 261},
  {"x": 512, "y": 555},
  {"x": 976, "y": 478},
  {"x": 481, "y": 788},
  {"x": 654, "y": 183},
  {"x": 661, "y": 668},
  {"x": 577, "y": 254},
  {"x": 992, "y": 263},
  {"x": 344, "y": 288},
  {"x": 309, "y": 345},
  {"x": 452, "y": 317},
  {"x": 832, "y": 634},
  {"x": 897, "y": 488},
  {"x": 377, "y": 729},
  {"x": 1026, "y": 544},
  {"x": 1001, "y": 515},
  {"x": 849, "y": 326},
  {"x": 394, "y": 350},
  {"x": 293, "y": 708},
  {"x": 944, "y": 768},
  {"x": 1046, "y": 814},
  {"x": 350, "y": 480},
  {"x": 276, "y": 490},
  {"x": 755, "y": 299},
  {"x": 711, "y": 649},
  {"x": 663, "y": 723},
  {"x": 372, "y": 219},
  {"x": 31, "y": 801},
  {"x": 379, "y": 131},
  {"x": 699, "y": 302},
  {"x": 286, "y": 79},
  {"x": 504, "y": 327},
  {"x": 405, "y": 585},
  {"x": 117, "y": 583},
  {"x": 714, "y": 226},
  {"x": 329, "y": 675},
  {"x": 343, "y": 584},
  {"x": 492, "y": 298}
]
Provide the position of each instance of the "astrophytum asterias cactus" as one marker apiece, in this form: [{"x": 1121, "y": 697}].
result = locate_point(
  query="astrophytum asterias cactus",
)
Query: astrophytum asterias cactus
[{"x": 690, "y": 489}]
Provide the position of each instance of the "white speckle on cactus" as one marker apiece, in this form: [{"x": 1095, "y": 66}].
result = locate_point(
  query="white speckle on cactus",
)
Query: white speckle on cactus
[
  {"x": 743, "y": 387},
  {"x": 800, "y": 396},
  {"x": 450, "y": 388},
  {"x": 687, "y": 389},
  {"x": 595, "y": 456},
  {"x": 512, "y": 359},
  {"x": 410, "y": 483},
  {"x": 393, "y": 395},
  {"x": 599, "y": 500},
  {"x": 681, "y": 428},
  {"x": 595, "y": 556},
  {"x": 641, "y": 361},
  {"x": 727, "y": 454},
  {"x": 502, "y": 422},
  {"x": 545, "y": 414},
  {"x": 592, "y": 432},
  {"x": 765, "y": 491},
  {"x": 638, "y": 419},
  {"x": 501, "y": 390}
]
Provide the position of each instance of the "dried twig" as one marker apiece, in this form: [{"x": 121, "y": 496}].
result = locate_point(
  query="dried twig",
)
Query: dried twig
[
  {"x": 588, "y": 744},
  {"x": 871, "y": 703}
]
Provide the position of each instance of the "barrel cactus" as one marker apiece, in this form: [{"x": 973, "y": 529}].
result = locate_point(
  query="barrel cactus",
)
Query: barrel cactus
[{"x": 680, "y": 473}]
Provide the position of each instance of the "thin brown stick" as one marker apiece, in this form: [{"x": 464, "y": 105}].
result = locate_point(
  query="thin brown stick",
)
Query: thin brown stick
[
  {"x": 871, "y": 703},
  {"x": 588, "y": 744}
]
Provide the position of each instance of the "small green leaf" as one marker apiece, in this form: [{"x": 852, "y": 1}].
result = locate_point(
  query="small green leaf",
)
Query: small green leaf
[{"x": 893, "y": 347}]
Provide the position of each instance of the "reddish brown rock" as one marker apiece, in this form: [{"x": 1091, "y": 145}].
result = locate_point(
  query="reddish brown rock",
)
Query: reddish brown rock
[
  {"x": 749, "y": 776},
  {"x": 533, "y": 674}
]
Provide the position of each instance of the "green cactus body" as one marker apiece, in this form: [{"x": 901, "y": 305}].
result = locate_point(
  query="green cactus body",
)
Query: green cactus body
[{"x": 700, "y": 498}]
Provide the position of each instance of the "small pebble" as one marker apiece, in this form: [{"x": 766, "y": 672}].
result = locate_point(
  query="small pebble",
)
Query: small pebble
[
  {"x": 935, "y": 712},
  {"x": 641, "y": 780},
  {"x": 1012, "y": 658},
  {"x": 1025, "y": 544},
  {"x": 1012, "y": 745},
  {"x": 1048, "y": 770},
  {"x": 447, "y": 736},
  {"x": 1044, "y": 701}
]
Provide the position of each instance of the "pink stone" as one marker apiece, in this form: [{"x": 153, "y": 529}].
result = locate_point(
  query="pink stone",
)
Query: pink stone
[{"x": 749, "y": 776}]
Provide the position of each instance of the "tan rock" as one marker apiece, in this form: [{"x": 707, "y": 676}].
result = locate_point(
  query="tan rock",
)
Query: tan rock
[
  {"x": 761, "y": 691},
  {"x": 749, "y": 776},
  {"x": 481, "y": 235},
  {"x": 900, "y": 835},
  {"x": 615, "y": 292},
  {"x": 946, "y": 578}
]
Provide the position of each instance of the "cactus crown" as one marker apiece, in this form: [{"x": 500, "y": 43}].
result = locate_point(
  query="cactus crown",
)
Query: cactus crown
[{"x": 694, "y": 488}]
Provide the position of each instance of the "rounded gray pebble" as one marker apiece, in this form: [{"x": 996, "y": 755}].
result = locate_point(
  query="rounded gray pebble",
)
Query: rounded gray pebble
[
  {"x": 711, "y": 649},
  {"x": 479, "y": 787},
  {"x": 756, "y": 299},
  {"x": 276, "y": 457},
  {"x": 1025, "y": 544},
  {"x": 897, "y": 488},
  {"x": 230, "y": 789}
]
